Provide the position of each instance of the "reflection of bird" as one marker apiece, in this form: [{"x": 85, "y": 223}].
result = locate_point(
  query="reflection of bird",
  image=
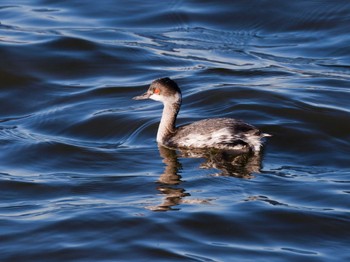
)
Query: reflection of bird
[
  {"x": 240, "y": 166},
  {"x": 216, "y": 133},
  {"x": 229, "y": 164}
]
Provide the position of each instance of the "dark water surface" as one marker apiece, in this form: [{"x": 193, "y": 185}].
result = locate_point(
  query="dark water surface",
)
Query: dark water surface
[{"x": 82, "y": 178}]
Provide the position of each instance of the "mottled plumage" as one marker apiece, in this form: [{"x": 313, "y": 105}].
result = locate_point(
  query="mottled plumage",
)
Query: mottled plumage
[{"x": 215, "y": 133}]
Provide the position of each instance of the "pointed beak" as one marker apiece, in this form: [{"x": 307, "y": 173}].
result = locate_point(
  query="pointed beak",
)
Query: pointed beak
[{"x": 142, "y": 97}]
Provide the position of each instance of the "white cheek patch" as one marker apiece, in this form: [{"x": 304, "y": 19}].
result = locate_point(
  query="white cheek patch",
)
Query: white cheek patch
[
  {"x": 155, "y": 97},
  {"x": 166, "y": 99}
]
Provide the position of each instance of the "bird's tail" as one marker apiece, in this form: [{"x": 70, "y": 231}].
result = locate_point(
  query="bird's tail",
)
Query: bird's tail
[{"x": 265, "y": 135}]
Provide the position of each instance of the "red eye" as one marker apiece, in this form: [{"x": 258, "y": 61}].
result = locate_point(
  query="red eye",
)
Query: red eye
[{"x": 156, "y": 91}]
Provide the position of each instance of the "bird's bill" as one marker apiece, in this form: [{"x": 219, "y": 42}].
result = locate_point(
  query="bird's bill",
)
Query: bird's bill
[{"x": 142, "y": 97}]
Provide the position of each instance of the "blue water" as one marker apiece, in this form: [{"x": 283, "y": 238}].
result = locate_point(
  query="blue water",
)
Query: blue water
[{"x": 82, "y": 177}]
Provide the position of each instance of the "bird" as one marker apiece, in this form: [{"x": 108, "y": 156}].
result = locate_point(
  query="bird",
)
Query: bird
[{"x": 214, "y": 133}]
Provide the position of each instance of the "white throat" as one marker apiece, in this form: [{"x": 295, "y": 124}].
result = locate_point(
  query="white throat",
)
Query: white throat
[{"x": 167, "y": 123}]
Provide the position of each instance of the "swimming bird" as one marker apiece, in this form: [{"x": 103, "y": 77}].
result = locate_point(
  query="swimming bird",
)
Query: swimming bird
[{"x": 215, "y": 133}]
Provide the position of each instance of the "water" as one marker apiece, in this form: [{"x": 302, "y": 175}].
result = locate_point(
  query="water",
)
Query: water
[{"x": 82, "y": 178}]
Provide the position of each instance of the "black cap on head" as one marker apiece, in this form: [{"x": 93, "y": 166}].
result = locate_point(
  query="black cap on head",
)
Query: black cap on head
[{"x": 167, "y": 82}]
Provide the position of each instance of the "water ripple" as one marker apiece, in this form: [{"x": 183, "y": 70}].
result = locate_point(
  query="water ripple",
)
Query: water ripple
[{"x": 82, "y": 177}]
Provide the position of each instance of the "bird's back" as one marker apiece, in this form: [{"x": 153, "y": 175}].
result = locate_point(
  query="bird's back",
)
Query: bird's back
[{"x": 219, "y": 133}]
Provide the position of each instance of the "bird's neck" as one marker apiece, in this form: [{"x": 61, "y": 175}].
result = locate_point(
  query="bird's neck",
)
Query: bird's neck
[{"x": 167, "y": 126}]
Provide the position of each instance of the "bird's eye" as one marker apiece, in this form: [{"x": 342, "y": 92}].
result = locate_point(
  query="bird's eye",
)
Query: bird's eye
[{"x": 156, "y": 91}]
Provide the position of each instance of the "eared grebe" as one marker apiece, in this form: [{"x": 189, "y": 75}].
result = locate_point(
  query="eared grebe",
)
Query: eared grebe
[{"x": 216, "y": 133}]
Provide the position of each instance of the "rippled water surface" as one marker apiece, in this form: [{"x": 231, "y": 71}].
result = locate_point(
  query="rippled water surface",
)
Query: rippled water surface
[{"x": 82, "y": 178}]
